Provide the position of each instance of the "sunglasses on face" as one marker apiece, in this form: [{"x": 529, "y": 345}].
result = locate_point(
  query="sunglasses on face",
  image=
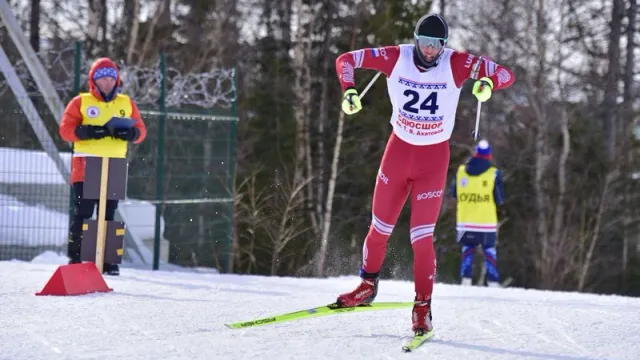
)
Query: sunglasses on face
[{"x": 428, "y": 41}]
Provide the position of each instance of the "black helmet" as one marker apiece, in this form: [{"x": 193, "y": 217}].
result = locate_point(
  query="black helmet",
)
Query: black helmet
[{"x": 431, "y": 30}]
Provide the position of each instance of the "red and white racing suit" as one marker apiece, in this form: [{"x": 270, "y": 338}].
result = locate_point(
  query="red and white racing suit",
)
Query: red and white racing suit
[{"x": 416, "y": 157}]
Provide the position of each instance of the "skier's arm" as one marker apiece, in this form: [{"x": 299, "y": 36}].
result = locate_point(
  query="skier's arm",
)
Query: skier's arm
[
  {"x": 468, "y": 66},
  {"x": 498, "y": 189},
  {"x": 381, "y": 59}
]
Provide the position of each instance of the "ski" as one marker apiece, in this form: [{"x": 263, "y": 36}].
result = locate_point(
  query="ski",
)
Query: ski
[
  {"x": 418, "y": 339},
  {"x": 325, "y": 310}
]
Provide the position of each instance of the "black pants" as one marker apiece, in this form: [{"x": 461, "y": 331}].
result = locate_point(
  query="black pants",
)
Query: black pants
[{"x": 83, "y": 209}]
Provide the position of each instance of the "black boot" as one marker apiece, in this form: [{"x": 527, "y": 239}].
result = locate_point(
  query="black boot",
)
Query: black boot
[
  {"x": 111, "y": 269},
  {"x": 73, "y": 250}
]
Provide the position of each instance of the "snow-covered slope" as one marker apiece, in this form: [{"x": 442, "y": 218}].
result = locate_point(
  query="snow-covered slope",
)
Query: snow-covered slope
[{"x": 180, "y": 315}]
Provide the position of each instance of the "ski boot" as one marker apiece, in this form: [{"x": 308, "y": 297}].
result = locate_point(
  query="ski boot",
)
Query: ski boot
[
  {"x": 73, "y": 251},
  {"x": 111, "y": 269},
  {"x": 422, "y": 315},
  {"x": 363, "y": 295}
]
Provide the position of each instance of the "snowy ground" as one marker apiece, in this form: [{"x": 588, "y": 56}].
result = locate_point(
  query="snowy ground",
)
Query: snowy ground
[{"x": 180, "y": 315}]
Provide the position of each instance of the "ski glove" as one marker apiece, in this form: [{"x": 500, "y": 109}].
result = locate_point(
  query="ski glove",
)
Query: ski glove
[
  {"x": 126, "y": 134},
  {"x": 86, "y": 132},
  {"x": 351, "y": 102},
  {"x": 482, "y": 89}
]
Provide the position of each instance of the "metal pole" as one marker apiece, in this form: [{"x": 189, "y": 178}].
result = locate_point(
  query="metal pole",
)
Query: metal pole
[
  {"x": 231, "y": 245},
  {"x": 160, "y": 160}
]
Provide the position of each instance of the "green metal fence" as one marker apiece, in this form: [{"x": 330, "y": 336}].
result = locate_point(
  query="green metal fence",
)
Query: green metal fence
[{"x": 179, "y": 208}]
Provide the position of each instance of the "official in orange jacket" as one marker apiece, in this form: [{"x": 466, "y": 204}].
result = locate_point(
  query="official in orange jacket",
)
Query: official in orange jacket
[{"x": 83, "y": 123}]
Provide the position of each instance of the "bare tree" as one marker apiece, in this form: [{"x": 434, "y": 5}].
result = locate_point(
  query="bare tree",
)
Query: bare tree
[
  {"x": 96, "y": 22},
  {"x": 132, "y": 10},
  {"x": 162, "y": 7},
  {"x": 302, "y": 80},
  {"x": 321, "y": 255},
  {"x": 559, "y": 233},
  {"x": 611, "y": 89},
  {"x": 34, "y": 25},
  {"x": 627, "y": 122},
  {"x": 326, "y": 72},
  {"x": 251, "y": 206},
  {"x": 288, "y": 225}
]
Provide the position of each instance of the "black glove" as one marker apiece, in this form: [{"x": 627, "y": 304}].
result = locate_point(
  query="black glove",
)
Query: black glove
[
  {"x": 127, "y": 134},
  {"x": 86, "y": 132}
]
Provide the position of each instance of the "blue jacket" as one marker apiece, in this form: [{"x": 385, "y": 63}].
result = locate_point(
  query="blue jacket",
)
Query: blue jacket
[{"x": 476, "y": 166}]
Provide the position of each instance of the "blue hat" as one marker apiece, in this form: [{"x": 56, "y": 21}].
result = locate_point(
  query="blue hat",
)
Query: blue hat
[
  {"x": 483, "y": 149},
  {"x": 105, "y": 72}
]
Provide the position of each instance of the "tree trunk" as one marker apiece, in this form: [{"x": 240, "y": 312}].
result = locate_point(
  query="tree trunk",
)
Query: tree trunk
[
  {"x": 310, "y": 168},
  {"x": 104, "y": 42},
  {"x": 328, "y": 212},
  {"x": 95, "y": 22},
  {"x": 627, "y": 94},
  {"x": 321, "y": 154},
  {"x": 326, "y": 74},
  {"x": 627, "y": 127},
  {"x": 34, "y": 25},
  {"x": 301, "y": 100},
  {"x": 536, "y": 86},
  {"x": 151, "y": 28},
  {"x": 602, "y": 208},
  {"x": 611, "y": 85},
  {"x": 558, "y": 235},
  {"x": 133, "y": 30}
]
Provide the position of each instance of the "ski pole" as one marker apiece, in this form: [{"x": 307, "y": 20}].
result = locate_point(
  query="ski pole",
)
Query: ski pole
[
  {"x": 475, "y": 133},
  {"x": 370, "y": 84},
  {"x": 474, "y": 74}
]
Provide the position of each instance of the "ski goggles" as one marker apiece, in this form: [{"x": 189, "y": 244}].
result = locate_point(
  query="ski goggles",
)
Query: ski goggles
[{"x": 428, "y": 41}]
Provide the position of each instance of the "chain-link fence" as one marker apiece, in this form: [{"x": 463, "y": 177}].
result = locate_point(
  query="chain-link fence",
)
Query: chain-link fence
[{"x": 179, "y": 196}]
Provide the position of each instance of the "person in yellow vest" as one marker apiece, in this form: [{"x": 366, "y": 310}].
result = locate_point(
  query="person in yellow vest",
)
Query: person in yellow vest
[
  {"x": 83, "y": 123},
  {"x": 478, "y": 189}
]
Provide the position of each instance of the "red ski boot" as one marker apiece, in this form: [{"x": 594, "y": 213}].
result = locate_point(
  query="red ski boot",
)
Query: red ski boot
[
  {"x": 422, "y": 315},
  {"x": 364, "y": 294}
]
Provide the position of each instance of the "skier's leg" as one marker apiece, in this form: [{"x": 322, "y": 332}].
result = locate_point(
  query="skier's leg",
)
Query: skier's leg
[
  {"x": 389, "y": 196},
  {"x": 466, "y": 265},
  {"x": 428, "y": 183},
  {"x": 469, "y": 241},
  {"x": 491, "y": 259}
]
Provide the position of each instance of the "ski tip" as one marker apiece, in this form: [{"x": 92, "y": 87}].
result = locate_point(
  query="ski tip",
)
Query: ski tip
[{"x": 406, "y": 349}]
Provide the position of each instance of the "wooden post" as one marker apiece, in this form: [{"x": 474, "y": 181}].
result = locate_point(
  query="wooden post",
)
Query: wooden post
[{"x": 102, "y": 208}]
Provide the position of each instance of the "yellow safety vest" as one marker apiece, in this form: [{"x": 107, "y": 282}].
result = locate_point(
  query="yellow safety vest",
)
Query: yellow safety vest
[
  {"x": 95, "y": 112},
  {"x": 476, "y": 205}
]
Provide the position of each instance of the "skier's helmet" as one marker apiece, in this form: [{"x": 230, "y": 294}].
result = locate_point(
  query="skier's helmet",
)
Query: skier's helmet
[{"x": 430, "y": 36}]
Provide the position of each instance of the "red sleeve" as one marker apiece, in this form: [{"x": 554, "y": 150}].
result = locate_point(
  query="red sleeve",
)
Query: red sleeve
[
  {"x": 71, "y": 118},
  {"x": 382, "y": 59},
  {"x": 135, "y": 115},
  {"x": 467, "y": 66}
]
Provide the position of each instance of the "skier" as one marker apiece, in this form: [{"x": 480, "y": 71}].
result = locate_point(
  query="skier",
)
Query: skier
[
  {"x": 424, "y": 81},
  {"x": 478, "y": 189}
]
